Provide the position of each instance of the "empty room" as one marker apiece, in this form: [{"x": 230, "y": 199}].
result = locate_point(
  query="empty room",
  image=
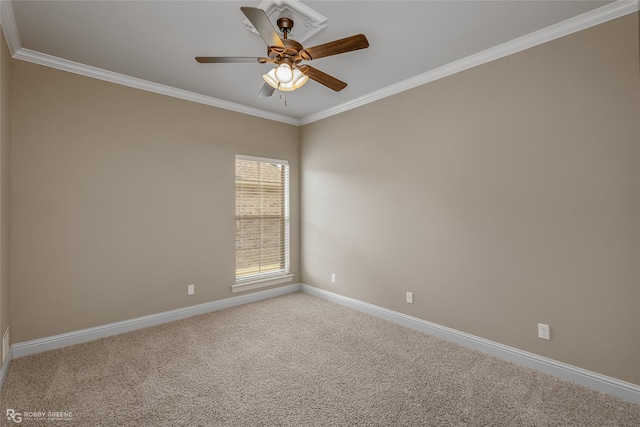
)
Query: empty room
[{"x": 320, "y": 213}]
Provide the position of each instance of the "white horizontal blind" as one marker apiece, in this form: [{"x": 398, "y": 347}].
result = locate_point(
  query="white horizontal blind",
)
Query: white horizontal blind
[{"x": 262, "y": 218}]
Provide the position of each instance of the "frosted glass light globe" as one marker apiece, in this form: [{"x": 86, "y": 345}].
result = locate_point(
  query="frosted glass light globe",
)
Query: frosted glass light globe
[
  {"x": 284, "y": 73},
  {"x": 299, "y": 79}
]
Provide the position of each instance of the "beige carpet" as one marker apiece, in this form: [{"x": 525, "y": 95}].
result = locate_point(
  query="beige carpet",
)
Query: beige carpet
[{"x": 295, "y": 360}]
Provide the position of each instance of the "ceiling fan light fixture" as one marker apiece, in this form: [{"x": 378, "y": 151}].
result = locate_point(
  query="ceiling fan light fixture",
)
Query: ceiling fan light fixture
[
  {"x": 284, "y": 73},
  {"x": 270, "y": 79},
  {"x": 297, "y": 81}
]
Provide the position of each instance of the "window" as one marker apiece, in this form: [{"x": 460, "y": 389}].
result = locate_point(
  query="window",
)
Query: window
[{"x": 262, "y": 222}]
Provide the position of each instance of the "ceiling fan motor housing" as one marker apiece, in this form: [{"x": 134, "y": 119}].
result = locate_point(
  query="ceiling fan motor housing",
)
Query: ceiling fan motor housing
[
  {"x": 288, "y": 53},
  {"x": 291, "y": 48}
]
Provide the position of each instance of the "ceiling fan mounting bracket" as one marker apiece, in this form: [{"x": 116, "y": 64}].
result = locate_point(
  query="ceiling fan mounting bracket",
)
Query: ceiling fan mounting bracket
[{"x": 285, "y": 25}]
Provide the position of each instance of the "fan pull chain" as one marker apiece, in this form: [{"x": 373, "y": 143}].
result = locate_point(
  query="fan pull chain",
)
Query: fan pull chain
[{"x": 285, "y": 98}]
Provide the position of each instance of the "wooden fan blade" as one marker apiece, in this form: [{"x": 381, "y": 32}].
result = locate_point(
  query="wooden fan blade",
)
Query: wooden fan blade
[
  {"x": 227, "y": 59},
  {"x": 266, "y": 91},
  {"x": 335, "y": 47},
  {"x": 261, "y": 22},
  {"x": 323, "y": 78}
]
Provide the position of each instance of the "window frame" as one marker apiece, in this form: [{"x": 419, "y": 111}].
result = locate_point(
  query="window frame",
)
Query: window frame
[{"x": 284, "y": 275}]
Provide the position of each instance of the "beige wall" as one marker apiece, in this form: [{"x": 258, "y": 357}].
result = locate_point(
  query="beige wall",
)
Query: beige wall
[
  {"x": 502, "y": 196},
  {"x": 121, "y": 198},
  {"x": 5, "y": 175}
]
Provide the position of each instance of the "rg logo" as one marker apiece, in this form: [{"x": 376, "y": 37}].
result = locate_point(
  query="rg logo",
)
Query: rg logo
[{"x": 14, "y": 416}]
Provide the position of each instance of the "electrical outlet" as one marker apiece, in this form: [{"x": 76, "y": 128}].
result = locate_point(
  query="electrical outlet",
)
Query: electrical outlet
[
  {"x": 544, "y": 331},
  {"x": 5, "y": 346},
  {"x": 410, "y": 297},
  {"x": 191, "y": 289},
  {"x": 333, "y": 277}
]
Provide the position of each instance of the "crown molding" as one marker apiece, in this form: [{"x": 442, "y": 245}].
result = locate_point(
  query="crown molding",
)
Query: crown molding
[
  {"x": 9, "y": 26},
  {"x": 110, "y": 76},
  {"x": 589, "y": 19}
]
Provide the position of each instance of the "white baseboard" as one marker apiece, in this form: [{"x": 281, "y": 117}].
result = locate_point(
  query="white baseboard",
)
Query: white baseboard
[
  {"x": 5, "y": 367},
  {"x": 62, "y": 340},
  {"x": 592, "y": 380}
]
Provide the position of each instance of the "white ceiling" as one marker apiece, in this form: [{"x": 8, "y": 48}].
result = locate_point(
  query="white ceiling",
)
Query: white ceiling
[{"x": 152, "y": 45}]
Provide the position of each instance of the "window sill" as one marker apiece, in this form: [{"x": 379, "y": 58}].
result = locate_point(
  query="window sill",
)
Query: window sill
[{"x": 261, "y": 283}]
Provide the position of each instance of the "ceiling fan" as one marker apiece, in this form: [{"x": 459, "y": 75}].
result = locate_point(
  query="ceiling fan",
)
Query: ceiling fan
[{"x": 287, "y": 54}]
